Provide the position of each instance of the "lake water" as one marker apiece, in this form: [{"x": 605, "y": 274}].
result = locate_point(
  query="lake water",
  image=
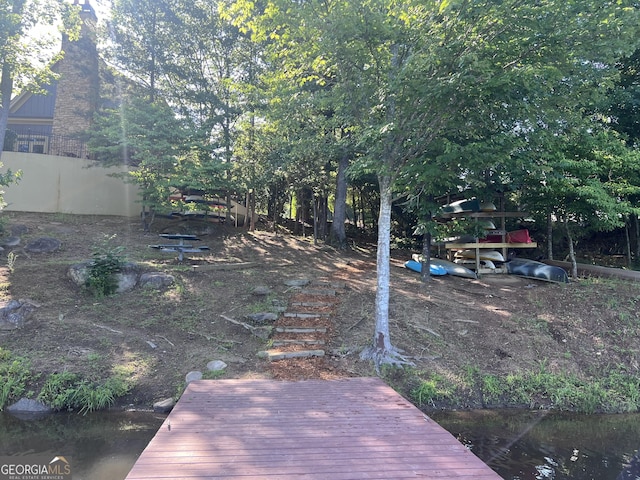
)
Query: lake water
[
  {"x": 517, "y": 445},
  {"x": 537, "y": 445},
  {"x": 101, "y": 445}
]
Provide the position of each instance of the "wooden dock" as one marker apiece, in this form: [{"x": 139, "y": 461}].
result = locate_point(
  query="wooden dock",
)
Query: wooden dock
[{"x": 352, "y": 428}]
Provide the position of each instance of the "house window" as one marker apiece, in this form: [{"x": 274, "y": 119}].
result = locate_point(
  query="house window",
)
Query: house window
[{"x": 32, "y": 143}]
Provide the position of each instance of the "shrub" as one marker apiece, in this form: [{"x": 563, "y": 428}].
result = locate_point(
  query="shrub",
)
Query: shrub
[{"x": 107, "y": 261}]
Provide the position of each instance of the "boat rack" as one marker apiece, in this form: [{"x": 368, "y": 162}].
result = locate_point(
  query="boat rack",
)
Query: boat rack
[{"x": 477, "y": 245}]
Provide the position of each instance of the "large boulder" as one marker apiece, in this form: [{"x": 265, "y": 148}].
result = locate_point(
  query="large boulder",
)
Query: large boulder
[
  {"x": 43, "y": 245},
  {"x": 29, "y": 409},
  {"x": 127, "y": 277},
  {"x": 156, "y": 280},
  {"x": 15, "y": 313}
]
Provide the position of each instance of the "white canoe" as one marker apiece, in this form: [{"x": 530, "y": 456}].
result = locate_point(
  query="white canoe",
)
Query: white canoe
[{"x": 483, "y": 263}]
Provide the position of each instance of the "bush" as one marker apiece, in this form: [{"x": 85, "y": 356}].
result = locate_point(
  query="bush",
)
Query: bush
[{"x": 107, "y": 261}]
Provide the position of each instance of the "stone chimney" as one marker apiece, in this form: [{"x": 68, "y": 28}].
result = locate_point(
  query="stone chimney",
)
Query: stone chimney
[{"x": 78, "y": 86}]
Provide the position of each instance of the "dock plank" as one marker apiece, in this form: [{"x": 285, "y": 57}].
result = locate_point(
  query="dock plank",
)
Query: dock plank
[{"x": 352, "y": 428}]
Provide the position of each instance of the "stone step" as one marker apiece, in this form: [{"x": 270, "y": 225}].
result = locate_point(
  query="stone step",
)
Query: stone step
[
  {"x": 273, "y": 355},
  {"x": 306, "y": 314},
  {"x": 302, "y": 341},
  {"x": 319, "y": 292},
  {"x": 301, "y": 329},
  {"x": 312, "y": 304},
  {"x": 337, "y": 285}
]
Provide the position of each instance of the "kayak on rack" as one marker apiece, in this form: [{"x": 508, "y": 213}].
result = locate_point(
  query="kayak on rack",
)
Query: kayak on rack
[{"x": 492, "y": 255}]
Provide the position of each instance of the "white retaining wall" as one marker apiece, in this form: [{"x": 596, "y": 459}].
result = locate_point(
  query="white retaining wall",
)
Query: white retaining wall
[{"x": 52, "y": 184}]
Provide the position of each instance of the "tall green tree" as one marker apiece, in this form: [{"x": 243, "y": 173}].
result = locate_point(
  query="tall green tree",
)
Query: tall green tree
[
  {"x": 20, "y": 51},
  {"x": 148, "y": 138},
  {"x": 140, "y": 41},
  {"x": 418, "y": 70},
  {"x": 189, "y": 55}
]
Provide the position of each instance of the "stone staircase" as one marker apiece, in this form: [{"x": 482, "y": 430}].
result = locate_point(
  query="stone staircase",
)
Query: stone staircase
[{"x": 303, "y": 330}]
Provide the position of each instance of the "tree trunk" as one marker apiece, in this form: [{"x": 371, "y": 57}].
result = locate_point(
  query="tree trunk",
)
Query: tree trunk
[
  {"x": 324, "y": 218},
  {"x": 636, "y": 222},
  {"x": 628, "y": 240},
  {"x": 425, "y": 274},
  {"x": 354, "y": 207},
  {"x": 572, "y": 253},
  {"x": 275, "y": 213},
  {"x": 549, "y": 237},
  {"x": 6, "y": 89},
  {"x": 363, "y": 215},
  {"x": 381, "y": 351},
  {"x": 314, "y": 203},
  {"x": 252, "y": 211},
  {"x": 338, "y": 234}
]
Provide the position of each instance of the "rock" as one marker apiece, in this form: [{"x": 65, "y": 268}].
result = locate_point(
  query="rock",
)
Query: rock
[
  {"x": 164, "y": 406},
  {"x": 79, "y": 273},
  {"x": 28, "y": 406},
  {"x": 14, "y": 313},
  {"x": 262, "y": 332},
  {"x": 261, "y": 290},
  {"x": 301, "y": 282},
  {"x": 156, "y": 280},
  {"x": 192, "y": 376},
  {"x": 12, "y": 241},
  {"x": 43, "y": 245},
  {"x": 127, "y": 278},
  {"x": 262, "y": 317},
  {"x": 20, "y": 229},
  {"x": 216, "y": 365}
]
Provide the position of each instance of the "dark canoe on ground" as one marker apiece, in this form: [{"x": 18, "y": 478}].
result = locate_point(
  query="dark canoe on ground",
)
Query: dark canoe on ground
[
  {"x": 538, "y": 270},
  {"x": 450, "y": 267},
  {"x": 417, "y": 267}
]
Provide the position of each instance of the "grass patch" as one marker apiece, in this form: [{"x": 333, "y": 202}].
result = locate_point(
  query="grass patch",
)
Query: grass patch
[
  {"x": 68, "y": 391},
  {"x": 61, "y": 391},
  {"x": 15, "y": 375},
  {"x": 616, "y": 391}
]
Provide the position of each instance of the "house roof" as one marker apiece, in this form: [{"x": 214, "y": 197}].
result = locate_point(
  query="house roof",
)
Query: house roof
[{"x": 34, "y": 105}]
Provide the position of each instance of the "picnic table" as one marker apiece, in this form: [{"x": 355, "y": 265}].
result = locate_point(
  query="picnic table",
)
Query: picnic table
[{"x": 181, "y": 247}]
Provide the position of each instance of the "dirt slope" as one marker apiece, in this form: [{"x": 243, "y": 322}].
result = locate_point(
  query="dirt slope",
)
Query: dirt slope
[{"x": 499, "y": 324}]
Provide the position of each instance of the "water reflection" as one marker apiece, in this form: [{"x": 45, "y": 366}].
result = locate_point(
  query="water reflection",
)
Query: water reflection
[
  {"x": 101, "y": 445},
  {"x": 517, "y": 445},
  {"x": 538, "y": 445}
]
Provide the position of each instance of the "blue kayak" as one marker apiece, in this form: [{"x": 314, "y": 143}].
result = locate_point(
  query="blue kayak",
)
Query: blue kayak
[{"x": 437, "y": 270}]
